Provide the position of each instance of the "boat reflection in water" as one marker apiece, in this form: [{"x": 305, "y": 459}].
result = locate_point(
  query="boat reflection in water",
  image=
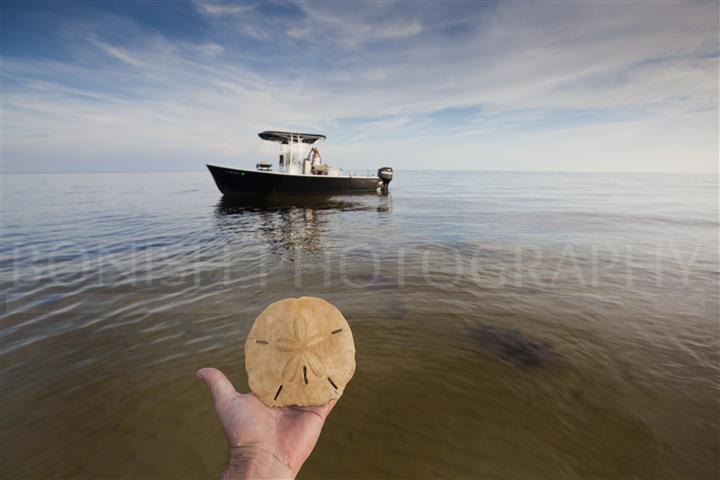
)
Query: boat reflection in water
[{"x": 289, "y": 221}]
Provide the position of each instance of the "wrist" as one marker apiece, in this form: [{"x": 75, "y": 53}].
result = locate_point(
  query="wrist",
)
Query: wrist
[{"x": 255, "y": 463}]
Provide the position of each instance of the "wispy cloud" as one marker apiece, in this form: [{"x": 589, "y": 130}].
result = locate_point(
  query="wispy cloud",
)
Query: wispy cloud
[
  {"x": 118, "y": 53},
  {"x": 218, "y": 8},
  {"x": 373, "y": 23}
]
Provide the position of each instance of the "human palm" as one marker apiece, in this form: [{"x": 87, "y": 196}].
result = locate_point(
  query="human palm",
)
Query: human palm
[{"x": 264, "y": 441}]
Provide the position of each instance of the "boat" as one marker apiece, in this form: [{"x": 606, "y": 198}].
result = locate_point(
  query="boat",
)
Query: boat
[{"x": 300, "y": 169}]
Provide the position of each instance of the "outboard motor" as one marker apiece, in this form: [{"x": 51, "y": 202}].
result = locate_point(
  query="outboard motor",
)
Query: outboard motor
[{"x": 385, "y": 174}]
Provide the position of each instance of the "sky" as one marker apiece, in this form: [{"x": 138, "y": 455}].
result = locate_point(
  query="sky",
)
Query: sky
[{"x": 166, "y": 86}]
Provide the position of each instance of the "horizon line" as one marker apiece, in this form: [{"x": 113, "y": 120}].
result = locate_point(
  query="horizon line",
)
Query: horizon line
[{"x": 664, "y": 172}]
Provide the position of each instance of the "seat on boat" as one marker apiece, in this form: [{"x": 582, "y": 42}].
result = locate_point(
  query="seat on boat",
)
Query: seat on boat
[{"x": 319, "y": 169}]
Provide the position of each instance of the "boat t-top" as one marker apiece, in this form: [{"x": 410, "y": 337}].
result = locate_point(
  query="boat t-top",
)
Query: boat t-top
[{"x": 300, "y": 169}]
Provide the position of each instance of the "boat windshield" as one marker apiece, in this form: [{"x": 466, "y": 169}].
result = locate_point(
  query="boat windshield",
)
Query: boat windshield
[{"x": 295, "y": 153}]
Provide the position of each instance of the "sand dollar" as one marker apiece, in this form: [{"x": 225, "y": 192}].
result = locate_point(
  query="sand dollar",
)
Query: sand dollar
[{"x": 299, "y": 351}]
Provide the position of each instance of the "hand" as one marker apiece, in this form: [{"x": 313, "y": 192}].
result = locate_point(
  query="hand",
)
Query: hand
[{"x": 264, "y": 442}]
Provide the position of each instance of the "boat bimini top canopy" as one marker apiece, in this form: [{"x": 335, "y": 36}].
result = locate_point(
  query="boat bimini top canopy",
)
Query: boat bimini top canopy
[{"x": 288, "y": 137}]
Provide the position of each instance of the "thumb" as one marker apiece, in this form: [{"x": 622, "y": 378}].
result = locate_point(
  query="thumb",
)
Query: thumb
[{"x": 220, "y": 387}]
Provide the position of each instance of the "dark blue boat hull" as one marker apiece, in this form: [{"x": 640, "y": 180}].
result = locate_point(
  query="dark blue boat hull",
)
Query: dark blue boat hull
[{"x": 235, "y": 181}]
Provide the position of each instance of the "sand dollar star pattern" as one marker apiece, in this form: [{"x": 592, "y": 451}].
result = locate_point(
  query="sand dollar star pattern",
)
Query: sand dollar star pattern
[{"x": 302, "y": 349}]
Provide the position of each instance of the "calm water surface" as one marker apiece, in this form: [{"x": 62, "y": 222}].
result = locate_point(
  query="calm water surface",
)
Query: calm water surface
[{"x": 507, "y": 325}]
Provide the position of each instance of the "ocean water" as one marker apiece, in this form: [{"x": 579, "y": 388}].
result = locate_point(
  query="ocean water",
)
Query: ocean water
[{"x": 507, "y": 325}]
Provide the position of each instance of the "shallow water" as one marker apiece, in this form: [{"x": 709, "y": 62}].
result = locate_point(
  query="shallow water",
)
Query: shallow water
[{"x": 507, "y": 325}]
